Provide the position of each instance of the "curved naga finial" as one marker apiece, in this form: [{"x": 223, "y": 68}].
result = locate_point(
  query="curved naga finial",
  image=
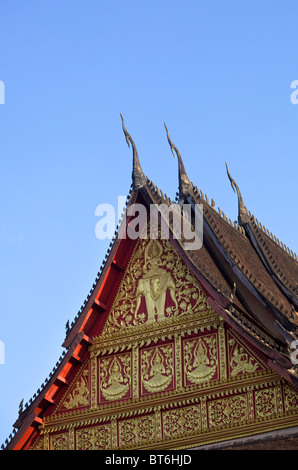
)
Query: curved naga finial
[
  {"x": 184, "y": 183},
  {"x": 138, "y": 177},
  {"x": 242, "y": 211}
]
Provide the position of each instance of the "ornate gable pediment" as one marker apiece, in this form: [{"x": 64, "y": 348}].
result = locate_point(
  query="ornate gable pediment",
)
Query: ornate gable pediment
[
  {"x": 157, "y": 289},
  {"x": 166, "y": 371},
  {"x": 148, "y": 362}
]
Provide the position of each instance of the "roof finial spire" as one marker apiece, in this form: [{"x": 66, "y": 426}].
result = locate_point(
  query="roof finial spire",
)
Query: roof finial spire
[
  {"x": 242, "y": 211},
  {"x": 138, "y": 177},
  {"x": 184, "y": 183}
]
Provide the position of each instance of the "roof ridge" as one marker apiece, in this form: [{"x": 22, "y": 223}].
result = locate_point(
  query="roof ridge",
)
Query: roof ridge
[
  {"x": 245, "y": 216},
  {"x": 198, "y": 194},
  {"x": 254, "y": 329},
  {"x": 158, "y": 191},
  {"x": 258, "y": 285},
  {"x": 235, "y": 225},
  {"x": 273, "y": 238}
]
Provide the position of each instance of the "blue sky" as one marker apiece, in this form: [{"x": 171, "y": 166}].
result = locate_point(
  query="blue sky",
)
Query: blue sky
[{"x": 218, "y": 73}]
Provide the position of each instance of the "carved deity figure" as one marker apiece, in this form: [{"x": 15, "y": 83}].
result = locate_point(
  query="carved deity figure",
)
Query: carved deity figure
[
  {"x": 160, "y": 378},
  {"x": 154, "y": 284},
  {"x": 240, "y": 362},
  {"x": 79, "y": 396},
  {"x": 202, "y": 367},
  {"x": 116, "y": 385}
]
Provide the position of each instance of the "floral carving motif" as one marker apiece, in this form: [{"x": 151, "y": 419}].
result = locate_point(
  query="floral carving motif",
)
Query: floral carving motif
[
  {"x": 266, "y": 402},
  {"x": 97, "y": 438},
  {"x": 182, "y": 420},
  {"x": 291, "y": 399},
  {"x": 38, "y": 445},
  {"x": 231, "y": 410},
  {"x": 59, "y": 441},
  {"x": 134, "y": 431}
]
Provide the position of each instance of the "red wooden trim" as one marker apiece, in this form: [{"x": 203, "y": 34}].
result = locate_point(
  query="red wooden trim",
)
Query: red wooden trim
[
  {"x": 100, "y": 304},
  {"x": 61, "y": 379}
]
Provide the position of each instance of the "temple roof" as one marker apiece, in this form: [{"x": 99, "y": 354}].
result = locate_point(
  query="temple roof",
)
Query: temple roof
[{"x": 250, "y": 279}]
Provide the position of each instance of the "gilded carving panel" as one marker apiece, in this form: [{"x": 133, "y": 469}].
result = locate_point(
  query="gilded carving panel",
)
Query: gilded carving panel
[
  {"x": 78, "y": 395},
  {"x": 181, "y": 420},
  {"x": 38, "y": 444},
  {"x": 291, "y": 398},
  {"x": 114, "y": 377},
  {"x": 59, "y": 441},
  {"x": 228, "y": 411},
  {"x": 157, "y": 368},
  {"x": 241, "y": 359},
  {"x": 94, "y": 438},
  {"x": 157, "y": 286},
  {"x": 200, "y": 359},
  {"x": 266, "y": 402},
  {"x": 136, "y": 431}
]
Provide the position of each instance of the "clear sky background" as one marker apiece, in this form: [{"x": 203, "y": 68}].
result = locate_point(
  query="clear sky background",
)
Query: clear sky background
[{"x": 217, "y": 72}]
